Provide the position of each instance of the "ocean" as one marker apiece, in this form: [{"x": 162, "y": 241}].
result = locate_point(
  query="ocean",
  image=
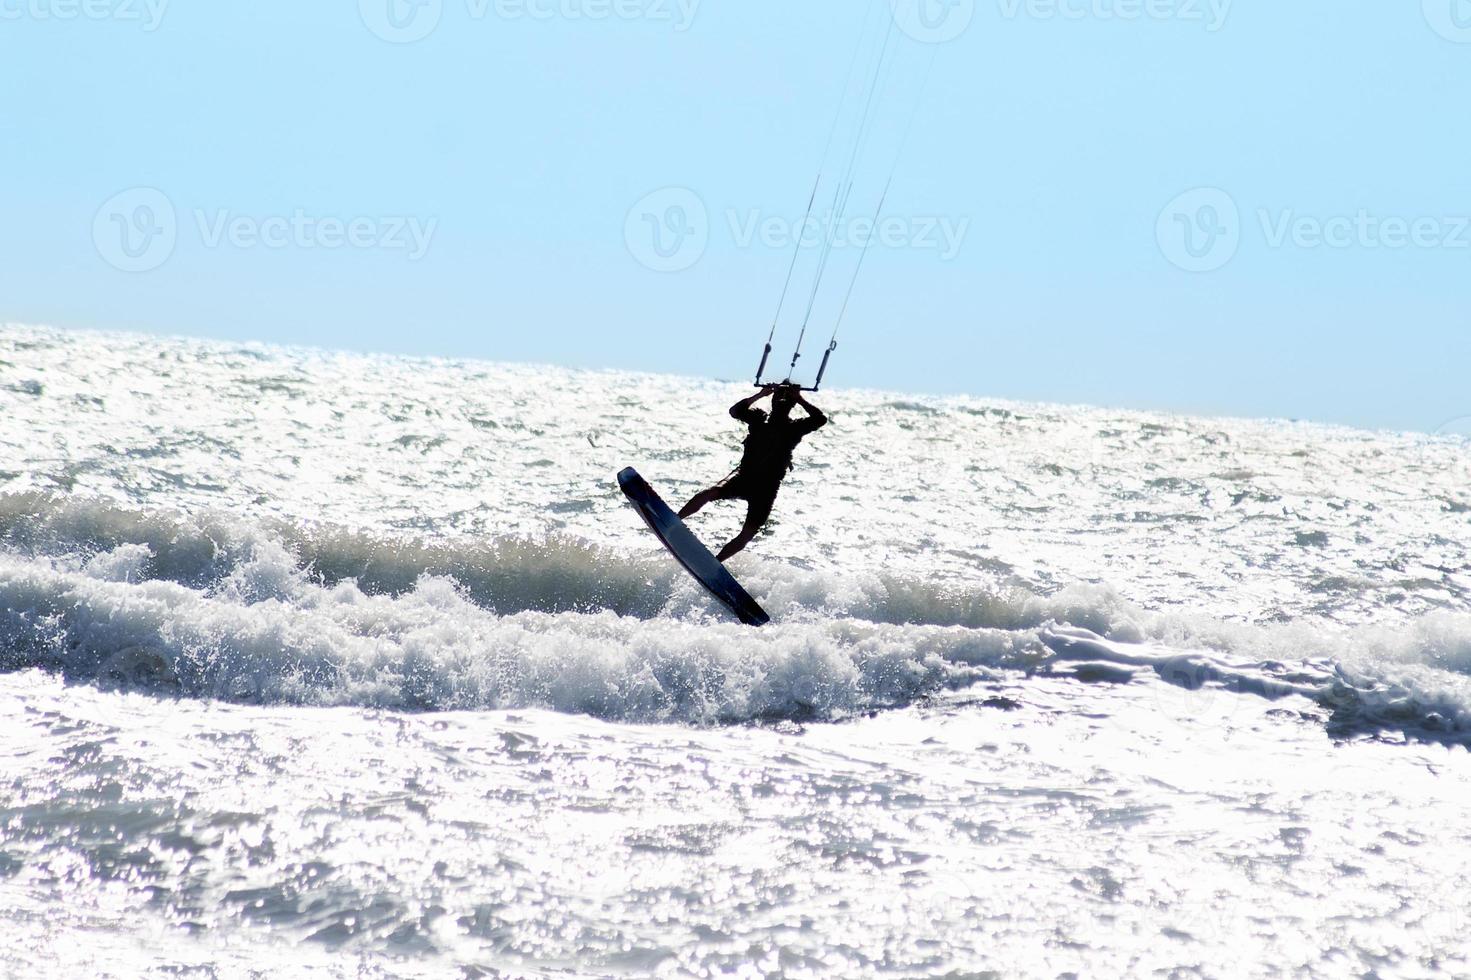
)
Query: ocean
[{"x": 333, "y": 664}]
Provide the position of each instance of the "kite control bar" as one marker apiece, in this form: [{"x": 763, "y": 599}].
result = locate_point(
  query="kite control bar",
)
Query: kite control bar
[
  {"x": 787, "y": 384},
  {"x": 821, "y": 368}
]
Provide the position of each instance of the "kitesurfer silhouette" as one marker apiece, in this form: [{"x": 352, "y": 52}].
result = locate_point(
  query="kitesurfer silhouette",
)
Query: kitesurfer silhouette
[{"x": 765, "y": 460}]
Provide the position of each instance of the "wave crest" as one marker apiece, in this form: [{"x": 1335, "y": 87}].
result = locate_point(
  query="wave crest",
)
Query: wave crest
[{"x": 214, "y": 606}]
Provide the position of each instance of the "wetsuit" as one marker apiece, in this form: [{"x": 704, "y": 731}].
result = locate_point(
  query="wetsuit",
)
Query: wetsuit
[
  {"x": 764, "y": 464},
  {"x": 766, "y": 457}
]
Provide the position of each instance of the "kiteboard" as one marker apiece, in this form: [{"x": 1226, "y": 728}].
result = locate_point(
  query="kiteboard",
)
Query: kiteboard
[{"x": 688, "y": 551}]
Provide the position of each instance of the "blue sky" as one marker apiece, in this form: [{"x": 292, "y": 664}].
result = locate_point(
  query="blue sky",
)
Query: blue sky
[{"x": 1195, "y": 205}]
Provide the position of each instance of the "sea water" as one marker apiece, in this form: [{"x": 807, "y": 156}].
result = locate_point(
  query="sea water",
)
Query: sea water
[{"x": 361, "y": 666}]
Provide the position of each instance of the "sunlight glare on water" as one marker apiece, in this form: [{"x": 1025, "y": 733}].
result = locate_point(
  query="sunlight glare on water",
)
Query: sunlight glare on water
[{"x": 362, "y": 665}]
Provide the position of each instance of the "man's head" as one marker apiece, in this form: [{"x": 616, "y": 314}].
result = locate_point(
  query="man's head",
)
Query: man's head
[{"x": 783, "y": 399}]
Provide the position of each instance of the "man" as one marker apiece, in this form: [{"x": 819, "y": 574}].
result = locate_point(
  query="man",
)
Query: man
[{"x": 765, "y": 460}]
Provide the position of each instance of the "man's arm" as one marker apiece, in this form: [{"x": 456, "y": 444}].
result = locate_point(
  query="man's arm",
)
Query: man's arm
[
  {"x": 744, "y": 410},
  {"x": 815, "y": 418}
]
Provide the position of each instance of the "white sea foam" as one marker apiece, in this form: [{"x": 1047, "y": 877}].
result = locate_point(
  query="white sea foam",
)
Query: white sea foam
[
  {"x": 225, "y": 609},
  {"x": 362, "y": 665},
  {"x": 269, "y": 629}
]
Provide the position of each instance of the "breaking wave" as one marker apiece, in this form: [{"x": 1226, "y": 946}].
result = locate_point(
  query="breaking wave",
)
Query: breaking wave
[{"x": 214, "y": 606}]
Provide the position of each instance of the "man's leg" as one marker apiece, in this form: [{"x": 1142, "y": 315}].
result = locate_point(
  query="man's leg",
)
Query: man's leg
[
  {"x": 700, "y": 500},
  {"x": 756, "y": 518}
]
